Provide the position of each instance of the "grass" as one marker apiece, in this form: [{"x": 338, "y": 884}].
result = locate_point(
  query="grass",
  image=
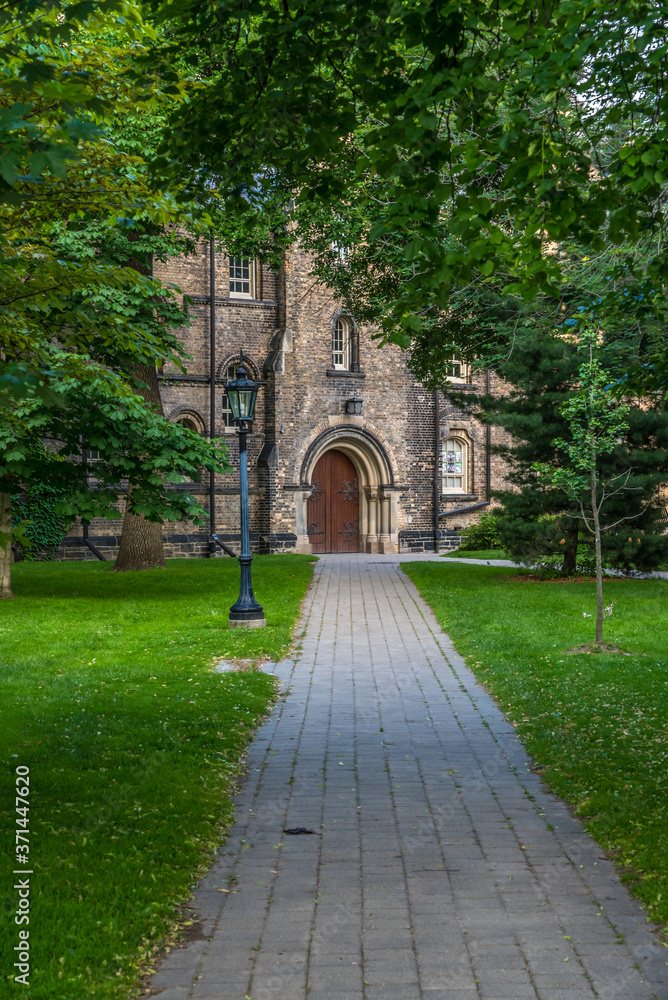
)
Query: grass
[
  {"x": 595, "y": 724},
  {"x": 133, "y": 744},
  {"x": 462, "y": 553},
  {"x": 475, "y": 554}
]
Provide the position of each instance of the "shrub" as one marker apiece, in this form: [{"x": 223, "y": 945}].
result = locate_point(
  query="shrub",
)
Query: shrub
[{"x": 484, "y": 534}]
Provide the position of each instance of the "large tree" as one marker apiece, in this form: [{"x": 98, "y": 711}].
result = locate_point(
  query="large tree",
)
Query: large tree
[
  {"x": 82, "y": 324},
  {"x": 134, "y": 244},
  {"x": 69, "y": 71},
  {"x": 441, "y": 146},
  {"x": 138, "y": 452}
]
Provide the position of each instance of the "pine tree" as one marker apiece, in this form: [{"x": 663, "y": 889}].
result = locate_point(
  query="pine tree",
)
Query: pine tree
[{"x": 536, "y": 520}]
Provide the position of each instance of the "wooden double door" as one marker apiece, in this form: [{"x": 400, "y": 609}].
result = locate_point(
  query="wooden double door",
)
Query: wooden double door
[{"x": 334, "y": 505}]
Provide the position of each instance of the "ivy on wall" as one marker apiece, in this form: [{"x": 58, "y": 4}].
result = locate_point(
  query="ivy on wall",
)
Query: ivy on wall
[{"x": 39, "y": 527}]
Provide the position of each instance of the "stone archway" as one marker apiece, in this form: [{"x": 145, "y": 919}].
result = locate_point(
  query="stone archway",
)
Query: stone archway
[{"x": 374, "y": 493}]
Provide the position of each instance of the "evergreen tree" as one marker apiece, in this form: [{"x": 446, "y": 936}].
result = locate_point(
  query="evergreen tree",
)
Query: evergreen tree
[{"x": 536, "y": 520}]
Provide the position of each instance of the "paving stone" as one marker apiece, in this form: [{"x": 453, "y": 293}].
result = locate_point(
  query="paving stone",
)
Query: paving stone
[
  {"x": 557, "y": 993},
  {"x": 332, "y": 994},
  {"x": 348, "y": 978},
  {"x": 182, "y": 958},
  {"x": 169, "y": 977},
  {"x": 172, "y": 993},
  {"x": 427, "y": 855},
  {"x": 549, "y": 965},
  {"x": 401, "y": 992},
  {"x": 493, "y": 990},
  {"x": 446, "y": 977},
  {"x": 447, "y": 994},
  {"x": 210, "y": 986},
  {"x": 560, "y": 980}
]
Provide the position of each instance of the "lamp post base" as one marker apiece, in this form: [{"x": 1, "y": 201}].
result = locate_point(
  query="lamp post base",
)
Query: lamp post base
[{"x": 247, "y": 622}]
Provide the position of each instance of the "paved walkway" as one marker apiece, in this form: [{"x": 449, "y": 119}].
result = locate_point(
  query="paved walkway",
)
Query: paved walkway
[{"x": 438, "y": 867}]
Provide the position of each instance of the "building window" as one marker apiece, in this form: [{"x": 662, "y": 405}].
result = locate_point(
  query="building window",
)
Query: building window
[
  {"x": 187, "y": 422},
  {"x": 340, "y": 252},
  {"x": 189, "y": 419},
  {"x": 454, "y": 466},
  {"x": 242, "y": 278},
  {"x": 192, "y": 422},
  {"x": 456, "y": 370},
  {"x": 342, "y": 343}
]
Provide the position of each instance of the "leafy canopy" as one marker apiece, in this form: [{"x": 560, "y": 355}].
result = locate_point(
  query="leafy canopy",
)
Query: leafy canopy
[
  {"x": 80, "y": 220},
  {"x": 440, "y": 144}
]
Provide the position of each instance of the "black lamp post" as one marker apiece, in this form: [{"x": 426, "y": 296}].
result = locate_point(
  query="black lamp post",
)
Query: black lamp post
[{"x": 241, "y": 394}]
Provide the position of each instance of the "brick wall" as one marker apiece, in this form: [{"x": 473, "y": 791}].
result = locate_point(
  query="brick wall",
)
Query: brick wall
[{"x": 286, "y": 332}]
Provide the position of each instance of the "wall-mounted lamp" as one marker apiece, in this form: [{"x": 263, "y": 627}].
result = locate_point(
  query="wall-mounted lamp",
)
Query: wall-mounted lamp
[{"x": 354, "y": 405}]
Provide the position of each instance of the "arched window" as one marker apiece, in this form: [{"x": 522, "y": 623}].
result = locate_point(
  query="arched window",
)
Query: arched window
[
  {"x": 343, "y": 353},
  {"x": 188, "y": 422},
  {"x": 190, "y": 419},
  {"x": 455, "y": 461}
]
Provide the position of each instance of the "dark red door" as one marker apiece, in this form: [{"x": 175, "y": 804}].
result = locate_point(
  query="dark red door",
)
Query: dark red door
[{"x": 333, "y": 507}]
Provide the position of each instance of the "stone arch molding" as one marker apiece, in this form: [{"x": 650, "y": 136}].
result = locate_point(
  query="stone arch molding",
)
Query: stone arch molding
[
  {"x": 235, "y": 359},
  {"x": 375, "y": 469},
  {"x": 178, "y": 413}
]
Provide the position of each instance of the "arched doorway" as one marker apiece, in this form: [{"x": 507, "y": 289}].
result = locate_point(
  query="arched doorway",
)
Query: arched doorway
[
  {"x": 363, "y": 514},
  {"x": 333, "y": 508}
]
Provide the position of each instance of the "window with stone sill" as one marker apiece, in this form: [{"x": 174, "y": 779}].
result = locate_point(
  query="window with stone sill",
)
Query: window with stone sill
[
  {"x": 456, "y": 370},
  {"x": 345, "y": 346},
  {"x": 242, "y": 278},
  {"x": 340, "y": 252},
  {"x": 455, "y": 460},
  {"x": 341, "y": 344}
]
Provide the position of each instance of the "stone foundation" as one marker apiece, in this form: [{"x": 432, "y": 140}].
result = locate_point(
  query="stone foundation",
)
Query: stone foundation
[{"x": 423, "y": 541}]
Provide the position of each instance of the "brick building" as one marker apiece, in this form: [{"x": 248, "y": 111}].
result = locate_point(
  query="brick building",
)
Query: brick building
[{"x": 348, "y": 451}]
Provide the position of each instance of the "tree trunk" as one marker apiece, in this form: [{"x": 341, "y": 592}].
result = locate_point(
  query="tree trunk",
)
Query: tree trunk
[
  {"x": 599, "y": 561},
  {"x": 571, "y": 551},
  {"x": 141, "y": 544},
  {"x": 141, "y": 540},
  {"x": 6, "y": 548}
]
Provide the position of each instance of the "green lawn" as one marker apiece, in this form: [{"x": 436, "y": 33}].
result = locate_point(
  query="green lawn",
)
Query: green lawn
[
  {"x": 476, "y": 554},
  {"x": 596, "y": 725},
  {"x": 133, "y": 743}
]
